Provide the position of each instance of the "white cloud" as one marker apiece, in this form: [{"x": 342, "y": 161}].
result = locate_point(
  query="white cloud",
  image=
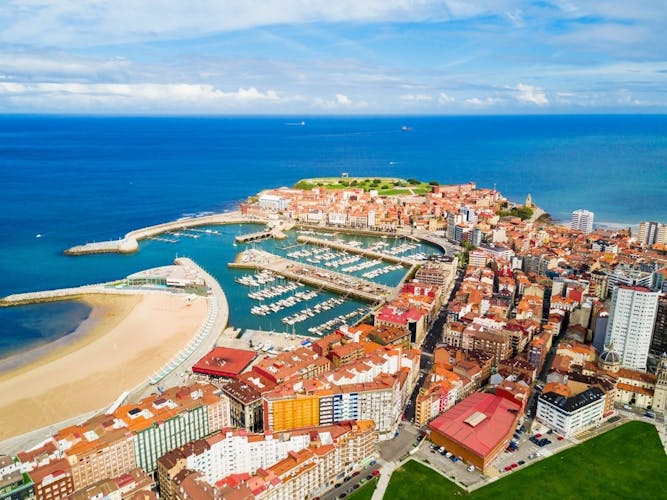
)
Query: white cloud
[
  {"x": 343, "y": 100},
  {"x": 476, "y": 102},
  {"x": 340, "y": 102},
  {"x": 416, "y": 98},
  {"x": 57, "y": 63},
  {"x": 94, "y": 22},
  {"x": 444, "y": 98},
  {"x": 123, "y": 96},
  {"x": 528, "y": 94}
]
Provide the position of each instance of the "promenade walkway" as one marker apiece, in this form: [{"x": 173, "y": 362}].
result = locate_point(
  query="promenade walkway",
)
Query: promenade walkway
[{"x": 205, "y": 339}]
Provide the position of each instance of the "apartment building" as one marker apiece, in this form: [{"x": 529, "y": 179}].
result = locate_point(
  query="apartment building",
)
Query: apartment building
[{"x": 570, "y": 415}]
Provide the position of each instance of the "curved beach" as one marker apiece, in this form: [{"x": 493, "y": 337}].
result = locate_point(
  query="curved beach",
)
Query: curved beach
[{"x": 125, "y": 340}]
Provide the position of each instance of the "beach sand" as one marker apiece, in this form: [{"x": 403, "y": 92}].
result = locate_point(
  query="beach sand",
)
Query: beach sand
[{"x": 125, "y": 340}]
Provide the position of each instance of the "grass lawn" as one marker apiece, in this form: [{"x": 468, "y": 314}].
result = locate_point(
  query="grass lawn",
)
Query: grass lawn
[
  {"x": 626, "y": 462},
  {"x": 384, "y": 185},
  {"x": 365, "y": 492}
]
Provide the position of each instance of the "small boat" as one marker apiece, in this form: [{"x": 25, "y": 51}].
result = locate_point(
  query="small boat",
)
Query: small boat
[{"x": 406, "y": 128}]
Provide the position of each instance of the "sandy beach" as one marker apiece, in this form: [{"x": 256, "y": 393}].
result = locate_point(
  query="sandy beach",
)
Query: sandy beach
[{"x": 125, "y": 340}]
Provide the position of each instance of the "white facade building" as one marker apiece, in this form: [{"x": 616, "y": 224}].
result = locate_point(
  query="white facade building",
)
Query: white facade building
[
  {"x": 570, "y": 416},
  {"x": 582, "y": 220},
  {"x": 233, "y": 452},
  {"x": 631, "y": 320}
]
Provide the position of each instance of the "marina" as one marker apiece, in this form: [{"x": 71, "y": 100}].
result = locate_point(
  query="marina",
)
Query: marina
[
  {"x": 317, "y": 277},
  {"x": 392, "y": 255}
]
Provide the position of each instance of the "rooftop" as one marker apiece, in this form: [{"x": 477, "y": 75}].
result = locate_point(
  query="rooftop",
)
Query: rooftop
[
  {"x": 573, "y": 403},
  {"x": 479, "y": 422},
  {"x": 224, "y": 362}
]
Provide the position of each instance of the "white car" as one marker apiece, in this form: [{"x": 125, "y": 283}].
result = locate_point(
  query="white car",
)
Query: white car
[{"x": 470, "y": 468}]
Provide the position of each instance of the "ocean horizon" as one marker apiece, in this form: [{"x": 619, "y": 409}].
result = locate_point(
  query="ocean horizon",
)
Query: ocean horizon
[{"x": 68, "y": 180}]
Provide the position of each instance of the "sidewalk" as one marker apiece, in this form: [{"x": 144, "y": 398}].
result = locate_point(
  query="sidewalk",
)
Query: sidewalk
[{"x": 386, "y": 470}]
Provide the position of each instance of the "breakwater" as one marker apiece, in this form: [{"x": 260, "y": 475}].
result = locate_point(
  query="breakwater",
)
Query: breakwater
[{"x": 130, "y": 242}]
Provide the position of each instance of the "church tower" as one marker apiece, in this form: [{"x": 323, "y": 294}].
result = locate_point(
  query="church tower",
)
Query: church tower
[
  {"x": 660, "y": 394},
  {"x": 529, "y": 201}
]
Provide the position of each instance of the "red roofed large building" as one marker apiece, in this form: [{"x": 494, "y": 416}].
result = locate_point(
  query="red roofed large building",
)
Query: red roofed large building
[
  {"x": 477, "y": 429},
  {"x": 224, "y": 362}
]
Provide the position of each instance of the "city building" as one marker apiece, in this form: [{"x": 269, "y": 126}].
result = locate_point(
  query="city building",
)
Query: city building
[
  {"x": 477, "y": 429},
  {"x": 569, "y": 414},
  {"x": 332, "y": 453},
  {"x": 631, "y": 319},
  {"x": 441, "y": 272},
  {"x": 13, "y": 484},
  {"x": 582, "y": 220},
  {"x": 628, "y": 275},
  {"x": 245, "y": 405},
  {"x": 651, "y": 233},
  {"x": 659, "y": 338},
  {"x": 53, "y": 480},
  {"x": 660, "y": 392},
  {"x": 224, "y": 362}
]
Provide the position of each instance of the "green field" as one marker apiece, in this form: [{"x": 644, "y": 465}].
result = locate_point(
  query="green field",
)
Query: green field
[
  {"x": 626, "y": 462},
  {"x": 365, "y": 492},
  {"x": 383, "y": 185}
]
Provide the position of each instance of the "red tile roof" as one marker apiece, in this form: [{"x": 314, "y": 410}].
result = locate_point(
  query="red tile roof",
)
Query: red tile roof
[
  {"x": 500, "y": 417},
  {"x": 224, "y": 362}
]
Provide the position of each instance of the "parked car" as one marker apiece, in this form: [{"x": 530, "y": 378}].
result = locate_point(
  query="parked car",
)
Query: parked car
[
  {"x": 521, "y": 462},
  {"x": 470, "y": 468}
]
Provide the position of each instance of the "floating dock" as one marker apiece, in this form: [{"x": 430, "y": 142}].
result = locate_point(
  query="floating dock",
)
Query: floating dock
[{"x": 314, "y": 276}]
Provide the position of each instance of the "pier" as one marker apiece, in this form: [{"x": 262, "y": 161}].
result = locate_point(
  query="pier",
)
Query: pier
[
  {"x": 372, "y": 254},
  {"x": 130, "y": 242},
  {"x": 314, "y": 276},
  {"x": 259, "y": 235},
  {"x": 19, "y": 299}
]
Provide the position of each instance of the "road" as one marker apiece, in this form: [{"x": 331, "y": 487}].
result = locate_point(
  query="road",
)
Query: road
[
  {"x": 349, "y": 484},
  {"x": 431, "y": 340}
]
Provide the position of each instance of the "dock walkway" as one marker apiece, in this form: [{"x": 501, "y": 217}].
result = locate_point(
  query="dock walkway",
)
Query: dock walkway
[
  {"x": 312, "y": 275},
  {"x": 360, "y": 251}
]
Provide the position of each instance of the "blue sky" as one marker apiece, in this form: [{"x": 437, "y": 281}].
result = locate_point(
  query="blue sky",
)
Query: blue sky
[{"x": 293, "y": 57}]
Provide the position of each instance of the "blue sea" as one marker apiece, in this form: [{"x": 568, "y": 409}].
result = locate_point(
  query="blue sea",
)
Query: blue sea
[{"x": 69, "y": 180}]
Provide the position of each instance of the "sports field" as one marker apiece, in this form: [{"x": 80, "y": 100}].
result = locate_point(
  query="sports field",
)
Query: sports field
[{"x": 626, "y": 462}]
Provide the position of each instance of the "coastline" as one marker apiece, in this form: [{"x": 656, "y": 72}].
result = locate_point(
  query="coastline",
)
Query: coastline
[
  {"x": 122, "y": 342},
  {"x": 113, "y": 306}
]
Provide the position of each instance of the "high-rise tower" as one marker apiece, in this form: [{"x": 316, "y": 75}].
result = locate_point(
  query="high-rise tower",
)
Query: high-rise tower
[
  {"x": 582, "y": 220},
  {"x": 630, "y": 328}
]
